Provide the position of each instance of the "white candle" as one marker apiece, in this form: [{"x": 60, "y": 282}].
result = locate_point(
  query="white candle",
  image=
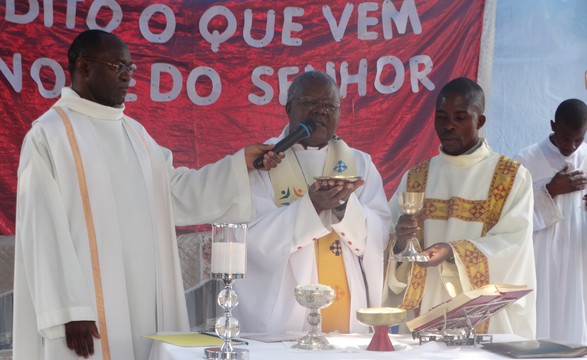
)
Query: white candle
[{"x": 228, "y": 258}]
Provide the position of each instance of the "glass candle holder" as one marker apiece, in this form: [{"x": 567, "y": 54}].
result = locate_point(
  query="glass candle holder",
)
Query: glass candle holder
[{"x": 229, "y": 262}]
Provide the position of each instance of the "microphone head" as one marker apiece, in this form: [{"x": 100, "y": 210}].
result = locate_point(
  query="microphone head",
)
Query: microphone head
[
  {"x": 309, "y": 126},
  {"x": 311, "y": 123}
]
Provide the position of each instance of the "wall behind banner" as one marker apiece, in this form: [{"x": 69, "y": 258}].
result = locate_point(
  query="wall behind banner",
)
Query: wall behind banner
[
  {"x": 540, "y": 59},
  {"x": 213, "y": 75}
]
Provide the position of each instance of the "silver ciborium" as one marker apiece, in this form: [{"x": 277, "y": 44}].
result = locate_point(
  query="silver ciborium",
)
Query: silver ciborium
[{"x": 314, "y": 297}]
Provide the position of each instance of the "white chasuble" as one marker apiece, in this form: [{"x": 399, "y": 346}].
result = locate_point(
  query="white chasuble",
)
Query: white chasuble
[{"x": 498, "y": 254}]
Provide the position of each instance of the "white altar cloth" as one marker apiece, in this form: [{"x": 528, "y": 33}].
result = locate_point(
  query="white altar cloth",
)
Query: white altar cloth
[{"x": 348, "y": 347}]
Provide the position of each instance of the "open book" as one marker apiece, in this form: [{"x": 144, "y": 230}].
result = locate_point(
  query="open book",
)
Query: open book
[{"x": 468, "y": 309}]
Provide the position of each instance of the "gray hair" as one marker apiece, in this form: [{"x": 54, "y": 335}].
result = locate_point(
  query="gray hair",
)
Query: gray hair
[{"x": 298, "y": 83}]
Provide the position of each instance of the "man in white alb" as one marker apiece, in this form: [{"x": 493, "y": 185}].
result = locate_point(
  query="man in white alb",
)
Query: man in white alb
[
  {"x": 308, "y": 231},
  {"x": 96, "y": 264},
  {"x": 558, "y": 166}
]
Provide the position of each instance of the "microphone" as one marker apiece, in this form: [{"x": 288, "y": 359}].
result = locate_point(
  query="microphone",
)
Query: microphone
[{"x": 304, "y": 130}]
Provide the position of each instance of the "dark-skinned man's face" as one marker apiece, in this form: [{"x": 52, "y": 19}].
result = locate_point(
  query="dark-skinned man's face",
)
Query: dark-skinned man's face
[
  {"x": 567, "y": 140},
  {"x": 318, "y": 99},
  {"x": 457, "y": 123},
  {"x": 104, "y": 84}
]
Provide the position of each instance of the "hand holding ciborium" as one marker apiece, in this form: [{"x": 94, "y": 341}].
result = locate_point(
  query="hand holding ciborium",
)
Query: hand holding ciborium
[
  {"x": 410, "y": 204},
  {"x": 314, "y": 297}
]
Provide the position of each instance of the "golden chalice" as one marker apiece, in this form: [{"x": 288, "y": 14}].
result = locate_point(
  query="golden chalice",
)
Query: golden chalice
[
  {"x": 410, "y": 204},
  {"x": 381, "y": 319}
]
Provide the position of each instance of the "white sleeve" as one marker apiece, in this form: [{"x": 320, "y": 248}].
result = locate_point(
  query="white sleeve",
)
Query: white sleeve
[
  {"x": 546, "y": 212},
  {"x": 45, "y": 249},
  {"x": 219, "y": 192}
]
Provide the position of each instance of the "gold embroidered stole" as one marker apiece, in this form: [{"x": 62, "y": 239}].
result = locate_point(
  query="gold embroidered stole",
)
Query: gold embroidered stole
[
  {"x": 487, "y": 211},
  {"x": 289, "y": 185},
  {"x": 331, "y": 272}
]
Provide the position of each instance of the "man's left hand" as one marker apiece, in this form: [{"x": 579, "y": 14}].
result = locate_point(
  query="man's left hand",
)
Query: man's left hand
[
  {"x": 437, "y": 253},
  {"x": 79, "y": 337},
  {"x": 270, "y": 159}
]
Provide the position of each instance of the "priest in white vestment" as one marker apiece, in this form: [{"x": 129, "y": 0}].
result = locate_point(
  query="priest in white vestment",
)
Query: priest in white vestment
[
  {"x": 136, "y": 197},
  {"x": 476, "y": 223},
  {"x": 558, "y": 166},
  {"x": 296, "y": 218}
]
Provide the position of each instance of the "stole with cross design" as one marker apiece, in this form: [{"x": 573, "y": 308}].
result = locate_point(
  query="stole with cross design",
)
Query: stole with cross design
[{"x": 289, "y": 185}]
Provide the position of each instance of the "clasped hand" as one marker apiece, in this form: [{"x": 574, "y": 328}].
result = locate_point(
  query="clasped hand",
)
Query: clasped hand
[
  {"x": 566, "y": 181},
  {"x": 330, "y": 194}
]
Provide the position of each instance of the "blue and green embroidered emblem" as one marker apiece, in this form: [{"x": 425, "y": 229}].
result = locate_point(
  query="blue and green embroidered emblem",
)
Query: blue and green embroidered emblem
[{"x": 340, "y": 167}]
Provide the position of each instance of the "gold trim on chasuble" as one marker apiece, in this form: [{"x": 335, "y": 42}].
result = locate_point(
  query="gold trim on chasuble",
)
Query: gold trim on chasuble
[
  {"x": 416, "y": 182},
  {"x": 486, "y": 211}
]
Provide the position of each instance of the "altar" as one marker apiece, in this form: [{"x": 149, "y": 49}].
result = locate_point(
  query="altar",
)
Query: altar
[{"x": 346, "y": 347}]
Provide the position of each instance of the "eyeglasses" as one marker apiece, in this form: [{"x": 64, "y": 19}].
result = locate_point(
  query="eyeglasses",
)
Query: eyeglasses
[
  {"x": 311, "y": 103},
  {"x": 119, "y": 68}
]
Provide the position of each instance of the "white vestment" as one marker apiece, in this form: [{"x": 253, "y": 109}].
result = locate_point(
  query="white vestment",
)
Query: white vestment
[
  {"x": 281, "y": 254},
  {"x": 560, "y": 245},
  {"x": 507, "y": 245},
  {"x": 136, "y": 197}
]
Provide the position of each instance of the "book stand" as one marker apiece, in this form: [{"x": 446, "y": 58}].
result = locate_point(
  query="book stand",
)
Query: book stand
[{"x": 457, "y": 328}]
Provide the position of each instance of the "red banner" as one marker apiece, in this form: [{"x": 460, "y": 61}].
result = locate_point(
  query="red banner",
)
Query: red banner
[{"x": 213, "y": 75}]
